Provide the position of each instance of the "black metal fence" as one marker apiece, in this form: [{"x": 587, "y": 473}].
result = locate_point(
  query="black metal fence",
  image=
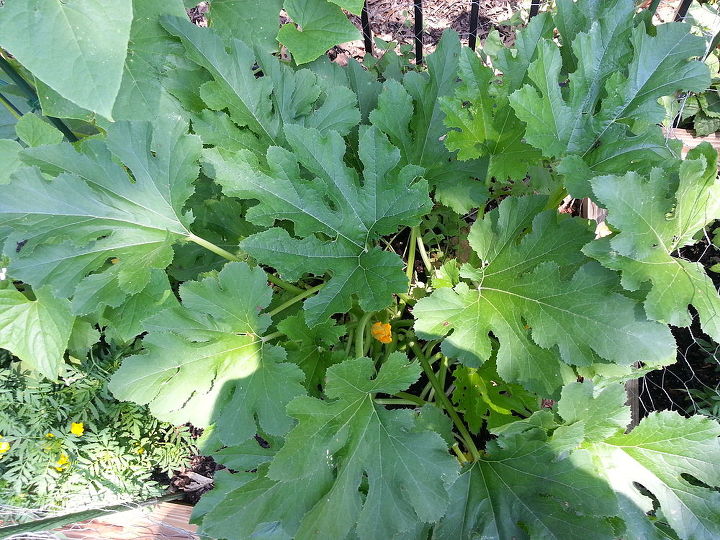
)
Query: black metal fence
[{"x": 473, "y": 26}]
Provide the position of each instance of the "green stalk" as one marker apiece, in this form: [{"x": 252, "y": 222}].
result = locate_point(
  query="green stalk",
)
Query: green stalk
[
  {"x": 411, "y": 255},
  {"x": 411, "y": 397},
  {"x": 424, "y": 256},
  {"x": 360, "y": 335},
  {"x": 298, "y": 298},
  {"x": 272, "y": 336},
  {"x": 230, "y": 257},
  {"x": 28, "y": 90},
  {"x": 461, "y": 457},
  {"x": 445, "y": 402},
  {"x": 212, "y": 247},
  {"x": 10, "y": 107}
]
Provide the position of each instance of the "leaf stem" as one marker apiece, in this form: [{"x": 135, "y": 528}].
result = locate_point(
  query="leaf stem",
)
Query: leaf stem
[
  {"x": 10, "y": 107},
  {"x": 230, "y": 257},
  {"x": 461, "y": 457},
  {"x": 302, "y": 296},
  {"x": 32, "y": 96},
  {"x": 445, "y": 402},
  {"x": 360, "y": 335},
  {"x": 424, "y": 256},
  {"x": 272, "y": 336},
  {"x": 411, "y": 255},
  {"x": 212, "y": 247}
]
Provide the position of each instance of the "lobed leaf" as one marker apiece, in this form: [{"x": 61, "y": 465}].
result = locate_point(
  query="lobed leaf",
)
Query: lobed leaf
[
  {"x": 655, "y": 217},
  {"x": 93, "y": 230},
  {"x": 335, "y": 216},
  {"x": 204, "y": 361},
  {"x": 411, "y": 115},
  {"x": 536, "y": 292}
]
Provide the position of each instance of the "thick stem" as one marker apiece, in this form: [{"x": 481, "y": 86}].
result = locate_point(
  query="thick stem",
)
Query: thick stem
[
  {"x": 411, "y": 255},
  {"x": 445, "y": 402},
  {"x": 230, "y": 257},
  {"x": 302, "y": 296},
  {"x": 29, "y": 91},
  {"x": 212, "y": 247},
  {"x": 461, "y": 457},
  {"x": 17, "y": 113},
  {"x": 424, "y": 256},
  {"x": 360, "y": 335}
]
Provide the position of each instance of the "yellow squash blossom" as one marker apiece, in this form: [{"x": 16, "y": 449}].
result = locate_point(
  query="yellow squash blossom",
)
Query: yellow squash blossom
[
  {"x": 77, "y": 428},
  {"x": 382, "y": 332},
  {"x": 62, "y": 462}
]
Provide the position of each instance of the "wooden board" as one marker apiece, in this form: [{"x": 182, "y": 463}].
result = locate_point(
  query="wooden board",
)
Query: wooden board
[
  {"x": 689, "y": 139},
  {"x": 167, "y": 520}
]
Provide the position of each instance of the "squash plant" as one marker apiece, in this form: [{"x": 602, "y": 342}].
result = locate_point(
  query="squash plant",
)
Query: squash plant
[{"x": 357, "y": 281}]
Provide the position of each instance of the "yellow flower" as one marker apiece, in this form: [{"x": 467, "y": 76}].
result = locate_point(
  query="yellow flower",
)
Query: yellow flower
[
  {"x": 49, "y": 435},
  {"x": 382, "y": 332},
  {"x": 140, "y": 450},
  {"x": 62, "y": 462},
  {"x": 4, "y": 447},
  {"x": 77, "y": 428}
]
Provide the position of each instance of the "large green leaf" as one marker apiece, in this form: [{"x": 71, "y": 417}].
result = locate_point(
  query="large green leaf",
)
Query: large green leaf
[
  {"x": 36, "y": 331},
  {"x": 605, "y": 117},
  {"x": 655, "y": 216},
  {"x": 322, "y": 25},
  {"x": 148, "y": 86},
  {"x": 336, "y": 215},
  {"x": 144, "y": 91},
  {"x": 258, "y": 107},
  {"x": 92, "y": 227},
  {"x": 245, "y": 505},
  {"x": 667, "y": 455},
  {"x": 485, "y": 124},
  {"x": 514, "y": 63},
  {"x": 539, "y": 296},
  {"x": 408, "y": 471},
  {"x": 83, "y": 46},
  {"x": 521, "y": 490},
  {"x": 675, "y": 459},
  {"x": 249, "y": 20},
  {"x": 204, "y": 361},
  {"x": 411, "y": 115}
]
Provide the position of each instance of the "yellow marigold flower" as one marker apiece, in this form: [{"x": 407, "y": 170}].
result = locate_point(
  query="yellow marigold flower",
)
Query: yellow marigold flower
[
  {"x": 4, "y": 447},
  {"x": 382, "y": 332},
  {"x": 77, "y": 428},
  {"x": 49, "y": 435},
  {"x": 62, "y": 462}
]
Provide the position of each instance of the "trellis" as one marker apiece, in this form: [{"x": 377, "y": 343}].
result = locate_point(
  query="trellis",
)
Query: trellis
[{"x": 535, "y": 5}]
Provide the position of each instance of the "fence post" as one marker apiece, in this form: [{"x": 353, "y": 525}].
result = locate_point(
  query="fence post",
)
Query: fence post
[
  {"x": 367, "y": 32},
  {"x": 474, "y": 10},
  {"x": 418, "y": 32},
  {"x": 682, "y": 10},
  {"x": 534, "y": 7}
]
